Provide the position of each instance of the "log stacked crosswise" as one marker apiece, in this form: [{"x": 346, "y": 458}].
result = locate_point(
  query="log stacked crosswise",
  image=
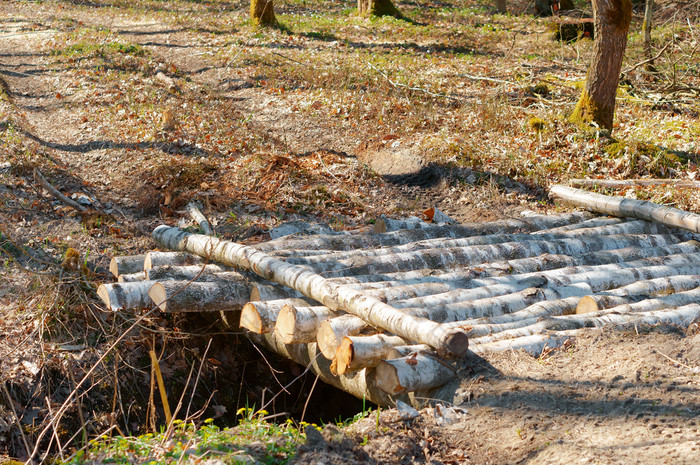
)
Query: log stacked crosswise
[{"x": 381, "y": 314}]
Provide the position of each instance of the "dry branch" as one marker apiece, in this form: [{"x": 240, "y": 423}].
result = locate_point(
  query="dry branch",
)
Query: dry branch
[
  {"x": 617, "y": 206},
  {"x": 200, "y": 219},
  {"x": 196, "y": 296},
  {"x": 41, "y": 180},
  {"x": 333, "y": 296},
  {"x": 123, "y": 296}
]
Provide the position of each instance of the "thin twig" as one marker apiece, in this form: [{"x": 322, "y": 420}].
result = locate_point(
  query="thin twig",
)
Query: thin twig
[
  {"x": 484, "y": 78},
  {"x": 14, "y": 412},
  {"x": 416, "y": 89},
  {"x": 644, "y": 62},
  {"x": 674, "y": 360},
  {"x": 196, "y": 381},
  {"x": 308, "y": 398}
]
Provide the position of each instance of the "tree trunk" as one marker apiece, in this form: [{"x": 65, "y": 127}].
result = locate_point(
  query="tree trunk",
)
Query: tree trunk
[
  {"x": 377, "y": 8},
  {"x": 262, "y": 12},
  {"x": 597, "y": 102},
  {"x": 619, "y": 206},
  {"x": 501, "y": 6},
  {"x": 646, "y": 27}
]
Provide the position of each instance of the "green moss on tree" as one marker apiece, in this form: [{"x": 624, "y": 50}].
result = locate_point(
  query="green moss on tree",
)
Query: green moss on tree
[{"x": 588, "y": 112}]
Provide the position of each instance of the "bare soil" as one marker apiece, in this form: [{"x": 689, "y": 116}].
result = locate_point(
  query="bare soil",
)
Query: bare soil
[{"x": 257, "y": 153}]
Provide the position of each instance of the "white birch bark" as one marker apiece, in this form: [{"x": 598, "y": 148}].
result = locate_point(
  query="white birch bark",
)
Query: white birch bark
[
  {"x": 624, "y": 228},
  {"x": 131, "y": 277},
  {"x": 126, "y": 296},
  {"x": 631, "y": 305},
  {"x": 187, "y": 273},
  {"x": 260, "y": 317},
  {"x": 361, "y": 383},
  {"x": 681, "y": 316},
  {"x": 619, "y": 206},
  {"x": 331, "y": 332},
  {"x": 368, "y": 241},
  {"x": 126, "y": 265},
  {"x": 592, "y": 223},
  {"x": 198, "y": 296},
  {"x": 300, "y": 324},
  {"x": 413, "y": 373},
  {"x": 333, "y": 296},
  {"x": 155, "y": 259},
  {"x": 533, "y": 344},
  {"x": 382, "y": 225},
  {"x": 263, "y": 292},
  {"x": 357, "y": 352},
  {"x": 473, "y": 255}
]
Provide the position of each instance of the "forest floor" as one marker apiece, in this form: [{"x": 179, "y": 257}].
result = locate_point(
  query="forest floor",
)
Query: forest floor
[{"x": 136, "y": 108}]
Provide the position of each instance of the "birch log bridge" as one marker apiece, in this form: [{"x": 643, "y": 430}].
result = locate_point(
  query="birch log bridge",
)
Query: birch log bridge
[{"x": 332, "y": 295}]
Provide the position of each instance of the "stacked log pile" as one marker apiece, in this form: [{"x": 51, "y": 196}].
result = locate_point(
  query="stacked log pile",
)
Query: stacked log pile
[{"x": 386, "y": 313}]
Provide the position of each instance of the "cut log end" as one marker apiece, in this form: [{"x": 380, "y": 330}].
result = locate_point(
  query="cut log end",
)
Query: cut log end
[
  {"x": 114, "y": 268},
  {"x": 387, "y": 378},
  {"x": 457, "y": 343},
  {"x": 157, "y": 293},
  {"x": 587, "y": 305},
  {"x": 344, "y": 356},
  {"x": 327, "y": 342},
  {"x": 147, "y": 263},
  {"x": 285, "y": 324},
  {"x": 103, "y": 294},
  {"x": 254, "y": 294},
  {"x": 379, "y": 226},
  {"x": 250, "y": 319}
]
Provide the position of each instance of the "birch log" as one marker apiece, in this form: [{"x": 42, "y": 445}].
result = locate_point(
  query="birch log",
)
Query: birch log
[
  {"x": 260, "y": 317},
  {"x": 300, "y": 324},
  {"x": 131, "y": 277},
  {"x": 333, "y": 296},
  {"x": 357, "y": 352},
  {"x": 533, "y": 344},
  {"x": 187, "y": 273},
  {"x": 262, "y": 292},
  {"x": 126, "y": 296},
  {"x": 331, "y": 332},
  {"x": 361, "y": 383},
  {"x": 367, "y": 241},
  {"x": 155, "y": 259},
  {"x": 619, "y": 206},
  {"x": 633, "y": 305},
  {"x": 383, "y": 225},
  {"x": 477, "y": 254},
  {"x": 412, "y": 373},
  {"x": 126, "y": 265},
  {"x": 197, "y": 296},
  {"x": 622, "y": 183}
]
